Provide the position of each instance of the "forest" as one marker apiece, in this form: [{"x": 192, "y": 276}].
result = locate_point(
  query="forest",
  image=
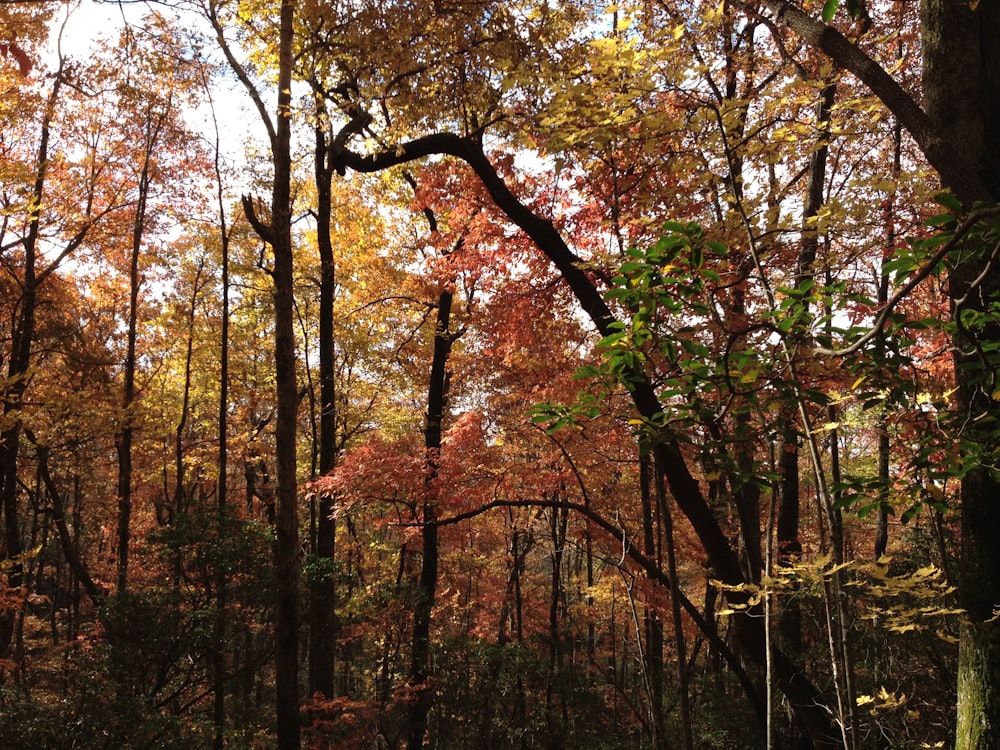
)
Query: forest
[{"x": 455, "y": 374}]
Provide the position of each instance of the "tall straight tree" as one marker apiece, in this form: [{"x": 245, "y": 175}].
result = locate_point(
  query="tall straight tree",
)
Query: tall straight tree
[
  {"x": 321, "y": 587},
  {"x": 437, "y": 403},
  {"x": 276, "y": 231}
]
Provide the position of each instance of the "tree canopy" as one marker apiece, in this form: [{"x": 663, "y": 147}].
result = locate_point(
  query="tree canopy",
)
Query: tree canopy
[{"x": 500, "y": 374}]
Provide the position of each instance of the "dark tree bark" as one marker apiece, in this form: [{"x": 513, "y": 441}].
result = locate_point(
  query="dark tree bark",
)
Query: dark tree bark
[
  {"x": 962, "y": 95},
  {"x": 180, "y": 464},
  {"x": 881, "y": 542},
  {"x": 437, "y": 403},
  {"x": 322, "y": 594},
  {"x": 69, "y": 545},
  {"x": 222, "y": 487},
  {"x": 287, "y": 527},
  {"x": 123, "y": 438},
  {"x": 152, "y": 130},
  {"x": 437, "y": 399},
  {"x": 278, "y": 234},
  {"x": 653, "y": 624}
]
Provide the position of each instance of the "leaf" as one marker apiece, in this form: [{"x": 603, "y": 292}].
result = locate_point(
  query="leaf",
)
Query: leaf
[
  {"x": 830, "y": 9},
  {"x": 949, "y": 201},
  {"x": 24, "y": 64}
]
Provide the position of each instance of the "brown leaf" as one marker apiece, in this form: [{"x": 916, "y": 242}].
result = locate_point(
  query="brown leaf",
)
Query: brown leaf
[{"x": 23, "y": 61}]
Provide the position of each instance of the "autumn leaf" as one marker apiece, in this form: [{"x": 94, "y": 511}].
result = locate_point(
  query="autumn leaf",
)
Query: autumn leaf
[{"x": 20, "y": 56}]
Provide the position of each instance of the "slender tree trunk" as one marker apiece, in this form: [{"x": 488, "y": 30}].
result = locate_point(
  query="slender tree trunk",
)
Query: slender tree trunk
[
  {"x": 675, "y": 611},
  {"x": 70, "y": 548},
  {"x": 437, "y": 402},
  {"x": 556, "y": 720},
  {"x": 322, "y": 593},
  {"x": 653, "y": 625},
  {"x": 22, "y": 342},
  {"x": 125, "y": 434},
  {"x": 180, "y": 467},
  {"x": 287, "y": 522},
  {"x": 278, "y": 234},
  {"x": 222, "y": 487},
  {"x": 437, "y": 399},
  {"x": 881, "y": 350}
]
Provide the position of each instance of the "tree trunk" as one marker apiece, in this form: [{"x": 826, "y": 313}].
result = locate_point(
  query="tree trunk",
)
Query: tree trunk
[
  {"x": 962, "y": 95},
  {"x": 287, "y": 522},
  {"x": 125, "y": 434},
  {"x": 222, "y": 488},
  {"x": 686, "y": 715},
  {"x": 22, "y": 341},
  {"x": 278, "y": 234},
  {"x": 437, "y": 401},
  {"x": 653, "y": 624},
  {"x": 180, "y": 464},
  {"x": 437, "y": 398},
  {"x": 322, "y": 618}
]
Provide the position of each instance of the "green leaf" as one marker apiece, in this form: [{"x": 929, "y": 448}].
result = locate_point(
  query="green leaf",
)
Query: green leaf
[
  {"x": 829, "y": 9},
  {"x": 940, "y": 220},
  {"x": 949, "y": 201},
  {"x": 717, "y": 247}
]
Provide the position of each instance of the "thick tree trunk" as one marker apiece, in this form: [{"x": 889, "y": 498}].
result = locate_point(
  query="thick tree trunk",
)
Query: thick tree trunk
[
  {"x": 287, "y": 521},
  {"x": 962, "y": 94}
]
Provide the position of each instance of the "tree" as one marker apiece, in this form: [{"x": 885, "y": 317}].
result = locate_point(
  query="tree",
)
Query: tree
[
  {"x": 960, "y": 83},
  {"x": 32, "y": 234},
  {"x": 276, "y": 231}
]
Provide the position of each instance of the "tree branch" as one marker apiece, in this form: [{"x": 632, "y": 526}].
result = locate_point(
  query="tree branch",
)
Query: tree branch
[{"x": 957, "y": 174}]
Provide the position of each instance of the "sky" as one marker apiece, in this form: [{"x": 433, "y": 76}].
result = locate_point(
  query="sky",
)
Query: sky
[
  {"x": 79, "y": 25},
  {"x": 82, "y": 23}
]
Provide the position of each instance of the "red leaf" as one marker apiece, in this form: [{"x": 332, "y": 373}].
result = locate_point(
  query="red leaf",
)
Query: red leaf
[{"x": 23, "y": 61}]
